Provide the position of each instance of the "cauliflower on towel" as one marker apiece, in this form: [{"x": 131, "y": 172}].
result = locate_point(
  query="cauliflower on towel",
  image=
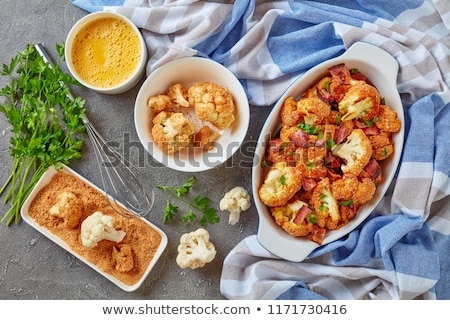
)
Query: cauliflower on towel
[
  {"x": 356, "y": 151},
  {"x": 195, "y": 250},
  {"x": 235, "y": 201},
  {"x": 69, "y": 208},
  {"x": 172, "y": 131},
  {"x": 213, "y": 103},
  {"x": 97, "y": 227},
  {"x": 280, "y": 185}
]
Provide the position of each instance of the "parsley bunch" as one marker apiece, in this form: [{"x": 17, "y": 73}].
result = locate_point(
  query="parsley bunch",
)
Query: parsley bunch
[
  {"x": 45, "y": 122},
  {"x": 199, "y": 204}
]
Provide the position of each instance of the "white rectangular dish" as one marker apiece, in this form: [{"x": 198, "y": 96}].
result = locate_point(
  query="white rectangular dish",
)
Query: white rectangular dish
[{"x": 43, "y": 181}]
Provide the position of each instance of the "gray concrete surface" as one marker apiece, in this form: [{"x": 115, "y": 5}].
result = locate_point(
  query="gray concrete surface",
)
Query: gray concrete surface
[{"x": 33, "y": 267}]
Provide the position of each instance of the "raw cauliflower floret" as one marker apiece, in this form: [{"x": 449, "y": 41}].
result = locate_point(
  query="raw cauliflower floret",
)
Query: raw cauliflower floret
[
  {"x": 123, "y": 258},
  {"x": 69, "y": 208},
  {"x": 361, "y": 101},
  {"x": 294, "y": 218},
  {"x": 195, "y": 250},
  {"x": 356, "y": 151},
  {"x": 159, "y": 103},
  {"x": 235, "y": 201},
  {"x": 97, "y": 227},
  {"x": 172, "y": 131},
  {"x": 213, "y": 103},
  {"x": 280, "y": 185},
  {"x": 178, "y": 95}
]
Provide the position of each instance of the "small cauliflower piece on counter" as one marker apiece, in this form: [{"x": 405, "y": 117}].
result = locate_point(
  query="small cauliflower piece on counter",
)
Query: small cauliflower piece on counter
[
  {"x": 195, "y": 250},
  {"x": 69, "y": 208},
  {"x": 97, "y": 227},
  {"x": 172, "y": 131},
  {"x": 235, "y": 201},
  {"x": 213, "y": 103},
  {"x": 123, "y": 258}
]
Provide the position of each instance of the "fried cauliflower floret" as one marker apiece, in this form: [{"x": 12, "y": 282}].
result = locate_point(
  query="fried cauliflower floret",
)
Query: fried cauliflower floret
[
  {"x": 310, "y": 110},
  {"x": 361, "y": 101},
  {"x": 159, "y": 103},
  {"x": 345, "y": 188},
  {"x": 280, "y": 185},
  {"x": 172, "y": 131},
  {"x": 356, "y": 151},
  {"x": 310, "y": 161},
  {"x": 388, "y": 120},
  {"x": 123, "y": 258},
  {"x": 325, "y": 205},
  {"x": 293, "y": 218},
  {"x": 205, "y": 137},
  {"x": 69, "y": 208},
  {"x": 213, "y": 103},
  {"x": 382, "y": 146},
  {"x": 365, "y": 191},
  {"x": 178, "y": 95}
]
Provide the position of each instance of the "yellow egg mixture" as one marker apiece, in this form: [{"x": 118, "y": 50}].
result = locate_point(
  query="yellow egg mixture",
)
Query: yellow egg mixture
[{"x": 106, "y": 52}]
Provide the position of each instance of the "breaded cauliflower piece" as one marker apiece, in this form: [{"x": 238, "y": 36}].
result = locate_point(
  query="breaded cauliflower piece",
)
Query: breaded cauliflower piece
[
  {"x": 345, "y": 188},
  {"x": 280, "y": 185},
  {"x": 69, "y": 208},
  {"x": 213, "y": 103},
  {"x": 294, "y": 218},
  {"x": 178, "y": 95},
  {"x": 159, "y": 103},
  {"x": 365, "y": 191},
  {"x": 123, "y": 258},
  {"x": 205, "y": 137},
  {"x": 388, "y": 120},
  {"x": 356, "y": 151},
  {"x": 325, "y": 205},
  {"x": 361, "y": 101},
  {"x": 310, "y": 110},
  {"x": 382, "y": 146},
  {"x": 172, "y": 131}
]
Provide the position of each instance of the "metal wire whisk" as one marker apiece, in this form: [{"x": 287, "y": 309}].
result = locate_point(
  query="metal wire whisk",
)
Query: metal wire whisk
[{"x": 125, "y": 193}]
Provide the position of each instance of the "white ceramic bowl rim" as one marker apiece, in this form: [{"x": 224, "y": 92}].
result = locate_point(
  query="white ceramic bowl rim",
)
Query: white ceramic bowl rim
[
  {"x": 137, "y": 74},
  {"x": 381, "y": 68},
  {"x": 188, "y": 71}
]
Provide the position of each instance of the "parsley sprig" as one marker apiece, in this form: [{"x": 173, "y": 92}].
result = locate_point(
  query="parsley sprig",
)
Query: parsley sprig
[
  {"x": 45, "y": 122},
  {"x": 199, "y": 204}
]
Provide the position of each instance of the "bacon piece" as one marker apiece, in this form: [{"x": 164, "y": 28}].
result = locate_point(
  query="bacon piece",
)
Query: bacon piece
[
  {"x": 331, "y": 161},
  {"x": 309, "y": 184},
  {"x": 317, "y": 234},
  {"x": 302, "y": 213},
  {"x": 340, "y": 74},
  {"x": 373, "y": 169},
  {"x": 325, "y": 96},
  {"x": 372, "y": 131},
  {"x": 344, "y": 131},
  {"x": 300, "y": 138}
]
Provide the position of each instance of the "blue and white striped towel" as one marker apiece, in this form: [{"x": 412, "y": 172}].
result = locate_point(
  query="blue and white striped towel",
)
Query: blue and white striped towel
[{"x": 403, "y": 250}]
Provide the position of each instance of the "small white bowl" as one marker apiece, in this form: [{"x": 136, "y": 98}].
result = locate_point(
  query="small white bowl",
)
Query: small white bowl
[
  {"x": 131, "y": 78},
  {"x": 381, "y": 69},
  {"x": 24, "y": 212},
  {"x": 188, "y": 71}
]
